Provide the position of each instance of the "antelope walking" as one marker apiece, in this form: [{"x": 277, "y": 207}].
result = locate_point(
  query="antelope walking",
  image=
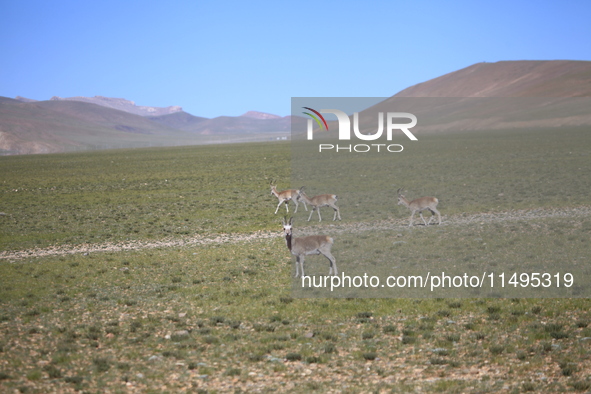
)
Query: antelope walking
[
  {"x": 420, "y": 204},
  {"x": 285, "y": 196},
  {"x": 323, "y": 200},
  {"x": 310, "y": 245}
]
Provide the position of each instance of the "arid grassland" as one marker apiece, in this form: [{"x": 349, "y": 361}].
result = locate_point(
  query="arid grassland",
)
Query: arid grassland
[{"x": 164, "y": 270}]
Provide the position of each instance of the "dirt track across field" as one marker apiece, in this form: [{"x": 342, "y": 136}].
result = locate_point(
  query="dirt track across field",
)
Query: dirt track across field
[{"x": 578, "y": 213}]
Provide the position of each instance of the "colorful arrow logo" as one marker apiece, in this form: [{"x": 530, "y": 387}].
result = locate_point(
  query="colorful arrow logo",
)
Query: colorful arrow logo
[{"x": 316, "y": 117}]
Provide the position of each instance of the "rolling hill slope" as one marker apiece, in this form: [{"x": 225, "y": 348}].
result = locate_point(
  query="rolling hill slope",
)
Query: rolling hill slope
[
  {"x": 493, "y": 96},
  {"x": 552, "y": 78}
]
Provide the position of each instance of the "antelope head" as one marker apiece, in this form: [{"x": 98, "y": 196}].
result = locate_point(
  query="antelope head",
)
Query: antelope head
[
  {"x": 401, "y": 198},
  {"x": 287, "y": 226},
  {"x": 273, "y": 187}
]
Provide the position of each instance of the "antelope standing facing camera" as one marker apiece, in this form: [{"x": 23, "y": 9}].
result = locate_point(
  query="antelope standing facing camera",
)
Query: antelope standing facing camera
[
  {"x": 323, "y": 200},
  {"x": 310, "y": 245},
  {"x": 285, "y": 196},
  {"x": 420, "y": 204}
]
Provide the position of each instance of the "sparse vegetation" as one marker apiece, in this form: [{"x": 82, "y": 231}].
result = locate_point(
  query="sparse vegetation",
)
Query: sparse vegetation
[{"x": 221, "y": 316}]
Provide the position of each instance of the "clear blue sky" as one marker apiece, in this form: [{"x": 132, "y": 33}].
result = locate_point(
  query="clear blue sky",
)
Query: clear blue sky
[{"x": 227, "y": 57}]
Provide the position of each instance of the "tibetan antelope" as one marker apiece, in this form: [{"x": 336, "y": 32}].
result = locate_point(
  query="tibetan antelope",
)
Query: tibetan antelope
[
  {"x": 323, "y": 200},
  {"x": 285, "y": 196},
  {"x": 312, "y": 244},
  {"x": 420, "y": 204}
]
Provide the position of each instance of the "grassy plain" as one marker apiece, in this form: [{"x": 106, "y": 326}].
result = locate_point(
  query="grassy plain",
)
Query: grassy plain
[
  {"x": 222, "y": 317},
  {"x": 138, "y": 194}
]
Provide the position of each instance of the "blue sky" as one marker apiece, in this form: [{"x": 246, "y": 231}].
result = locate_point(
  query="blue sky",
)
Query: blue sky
[{"x": 218, "y": 58}]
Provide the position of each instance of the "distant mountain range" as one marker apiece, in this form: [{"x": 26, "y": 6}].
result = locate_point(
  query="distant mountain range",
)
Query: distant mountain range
[
  {"x": 250, "y": 122},
  {"x": 130, "y": 106},
  {"x": 123, "y": 105},
  {"x": 85, "y": 123}
]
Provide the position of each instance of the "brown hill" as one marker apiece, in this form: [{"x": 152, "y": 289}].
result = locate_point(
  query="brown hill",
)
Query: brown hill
[
  {"x": 553, "y": 78},
  {"x": 494, "y": 96}
]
